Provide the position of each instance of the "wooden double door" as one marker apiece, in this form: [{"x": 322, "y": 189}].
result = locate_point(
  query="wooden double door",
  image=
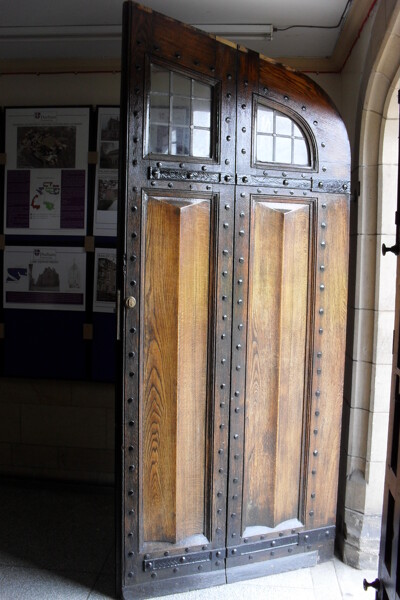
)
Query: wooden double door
[{"x": 233, "y": 285}]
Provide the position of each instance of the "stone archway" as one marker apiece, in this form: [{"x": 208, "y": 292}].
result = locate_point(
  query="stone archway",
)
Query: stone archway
[{"x": 371, "y": 306}]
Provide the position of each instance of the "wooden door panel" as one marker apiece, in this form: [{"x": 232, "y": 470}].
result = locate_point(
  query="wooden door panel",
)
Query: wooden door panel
[
  {"x": 328, "y": 361},
  {"x": 232, "y": 359},
  {"x": 276, "y": 361},
  {"x": 175, "y": 352}
]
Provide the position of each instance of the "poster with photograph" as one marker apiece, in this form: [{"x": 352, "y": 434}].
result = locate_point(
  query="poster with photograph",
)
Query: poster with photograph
[
  {"x": 46, "y": 171},
  {"x": 44, "y": 278},
  {"x": 104, "y": 295},
  {"x": 106, "y": 191}
]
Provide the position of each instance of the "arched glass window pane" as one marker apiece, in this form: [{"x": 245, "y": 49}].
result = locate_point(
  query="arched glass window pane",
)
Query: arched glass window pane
[
  {"x": 180, "y": 111},
  {"x": 279, "y": 139}
]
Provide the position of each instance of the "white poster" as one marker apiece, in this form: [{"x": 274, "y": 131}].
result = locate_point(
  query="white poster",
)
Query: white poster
[
  {"x": 104, "y": 295},
  {"x": 106, "y": 192},
  {"x": 46, "y": 171},
  {"x": 44, "y": 278}
]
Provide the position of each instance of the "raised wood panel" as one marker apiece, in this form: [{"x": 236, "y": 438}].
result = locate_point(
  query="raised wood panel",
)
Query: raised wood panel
[
  {"x": 175, "y": 332},
  {"x": 329, "y": 351},
  {"x": 276, "y": 362}
]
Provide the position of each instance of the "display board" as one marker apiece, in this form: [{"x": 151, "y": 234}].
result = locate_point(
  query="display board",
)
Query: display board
[
  {"x": 46, "y": 171},
  {"x": 106, "y": 190},
  {"x": 104, "y": 292},
  {"x": 59, "y": 188}
]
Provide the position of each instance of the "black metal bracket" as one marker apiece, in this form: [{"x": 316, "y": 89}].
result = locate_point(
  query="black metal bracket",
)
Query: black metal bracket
[
  {"x": 159, "y": 174},
  {"x": 304, "y": 539},
  {"x": 180, "y": 560}
]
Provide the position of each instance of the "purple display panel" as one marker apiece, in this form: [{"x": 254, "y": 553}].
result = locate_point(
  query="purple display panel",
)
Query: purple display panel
[
  {"x": 18, "y": 190},
  {"x": 72, "y": 199}
]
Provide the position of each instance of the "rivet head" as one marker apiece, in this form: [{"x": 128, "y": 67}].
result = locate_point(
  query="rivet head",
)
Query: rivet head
[
  {"x": 323, "y": 144},
  {"x": 315, "y": 452},
  {"x": 228, "y": 138}
]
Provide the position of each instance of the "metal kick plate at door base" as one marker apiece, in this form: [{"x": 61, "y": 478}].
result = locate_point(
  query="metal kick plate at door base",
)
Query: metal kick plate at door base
[{"x": 130, "y": 302}]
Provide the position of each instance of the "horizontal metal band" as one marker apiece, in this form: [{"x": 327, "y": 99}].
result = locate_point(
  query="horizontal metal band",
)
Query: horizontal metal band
[
  {"x": 303, "y": 538},
  {"x": 184, "y": 175},
  {"x": 305, "y": 183},
  {"x": 180, "y": 560},
  {"x": 311, "y": 184}
]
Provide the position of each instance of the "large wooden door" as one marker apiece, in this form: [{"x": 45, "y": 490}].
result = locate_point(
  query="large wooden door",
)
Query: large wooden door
[{"x": 232, "y": 278}]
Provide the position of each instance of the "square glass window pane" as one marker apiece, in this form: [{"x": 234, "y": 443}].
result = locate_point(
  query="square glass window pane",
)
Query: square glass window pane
[
  {"x": 180, "y": 85},
  {"x": 158, "y": 139},
  {"x": 180, "y": 140},
  {"x": 264, "y": 151},
  {"x": 265, "y": 120},
  {"x": 283, "y": 150},
  {"x": 201, "y": 90},
  {"x": 201, "y": 142},
  {"x": 181, "y": 111},
  {"x": 159, "y": 109},
  {"x": 283, "y": 125},
  {"x": 201, "y": 113},
  {"x": 159, "y": 79},
  {"x": 300, "y": 153}
]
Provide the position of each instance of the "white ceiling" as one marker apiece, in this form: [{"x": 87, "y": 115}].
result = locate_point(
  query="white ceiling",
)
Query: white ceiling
[{"x": 90, "y": 29}]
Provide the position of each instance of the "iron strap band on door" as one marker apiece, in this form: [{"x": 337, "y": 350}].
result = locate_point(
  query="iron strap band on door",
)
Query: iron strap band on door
[
  {"x": 330, "y": 186},
  {"x": 180, "y": 560},
  {"x": 301, "y": 540}
]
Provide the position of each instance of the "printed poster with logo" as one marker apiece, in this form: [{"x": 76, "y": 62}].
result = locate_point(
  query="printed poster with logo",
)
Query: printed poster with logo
[
  {"x": 46, "y": 171},
  {"x": 104, "y": 296},
  {"x": 44, "y": 278},
  {"x": 106, "y": 194}
]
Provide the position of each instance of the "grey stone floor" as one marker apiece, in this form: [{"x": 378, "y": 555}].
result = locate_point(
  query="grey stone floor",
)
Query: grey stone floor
[{"x": 57, "y": 543}]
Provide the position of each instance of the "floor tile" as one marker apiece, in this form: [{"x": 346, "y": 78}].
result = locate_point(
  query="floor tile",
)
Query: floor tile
[
  {"x": 104, "y": 588},
  {"x": 351, "y": 581},
  {"x": 37, "y": 584},
  {"x": 56, "y": 528}
]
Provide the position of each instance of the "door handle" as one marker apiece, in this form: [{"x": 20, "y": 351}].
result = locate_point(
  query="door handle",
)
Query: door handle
[
  {"x": 395, "y": 249},
  {"x": 130, "y": 302},
  {"x": 374, "y": 584}
]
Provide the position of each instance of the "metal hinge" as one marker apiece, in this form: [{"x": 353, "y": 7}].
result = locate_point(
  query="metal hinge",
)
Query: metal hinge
[
  {"x": 156, "y": 173},
  {"x": 180, "y": 560},
  {"x": 303, "y": 539}
]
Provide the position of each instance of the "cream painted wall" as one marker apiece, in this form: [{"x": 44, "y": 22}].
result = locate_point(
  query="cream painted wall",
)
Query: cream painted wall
[{"x": 62, "y": 90}]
